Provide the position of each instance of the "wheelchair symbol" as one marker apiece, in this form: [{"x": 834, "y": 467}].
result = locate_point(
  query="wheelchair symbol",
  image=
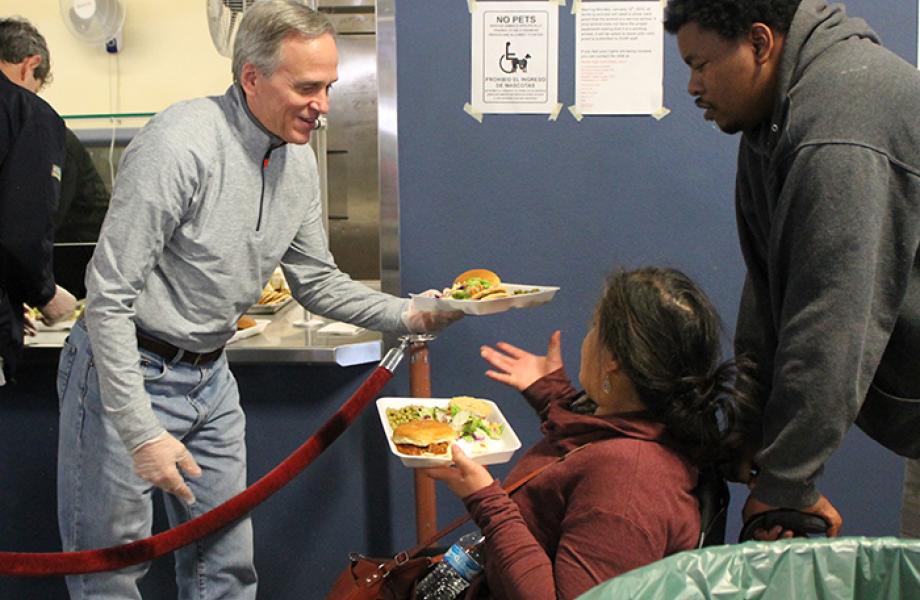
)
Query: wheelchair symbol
[{"x": 509, "y": 63}]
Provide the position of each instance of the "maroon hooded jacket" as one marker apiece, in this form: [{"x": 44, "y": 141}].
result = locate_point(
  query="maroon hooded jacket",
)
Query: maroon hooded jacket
[{"x": 623, "y": 501}]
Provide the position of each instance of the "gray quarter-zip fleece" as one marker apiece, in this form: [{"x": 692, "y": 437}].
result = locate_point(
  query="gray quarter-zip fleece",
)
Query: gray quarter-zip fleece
[
  {"x": 206, "y": 205},
  {"x": 828, "y": 206}
]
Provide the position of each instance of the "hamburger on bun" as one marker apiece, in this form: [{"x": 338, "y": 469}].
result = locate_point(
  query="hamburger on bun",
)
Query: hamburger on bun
[
  {"x": 483, "y": 274},
  {"x": 424, "y": 437}
]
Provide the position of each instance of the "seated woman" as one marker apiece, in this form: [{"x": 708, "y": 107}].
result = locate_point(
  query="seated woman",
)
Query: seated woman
[{"x": 655, "y": 396}]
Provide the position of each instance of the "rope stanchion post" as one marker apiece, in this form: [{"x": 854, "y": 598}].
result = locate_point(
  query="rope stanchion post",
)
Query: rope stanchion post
[{"x": 426, "y": 518}]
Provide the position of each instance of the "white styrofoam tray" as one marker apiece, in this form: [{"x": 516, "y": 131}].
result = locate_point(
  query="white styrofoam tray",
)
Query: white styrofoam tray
[
  {"x": 487, "y": 452},
  {"x": 489, "y": 306}
]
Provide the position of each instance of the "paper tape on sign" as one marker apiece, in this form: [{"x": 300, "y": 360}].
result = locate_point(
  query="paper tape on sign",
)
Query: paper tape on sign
[
  {"x": 661, "y": 113},
  {"x": 468, "y": 109},
  {"x": 555, "y": 114}
]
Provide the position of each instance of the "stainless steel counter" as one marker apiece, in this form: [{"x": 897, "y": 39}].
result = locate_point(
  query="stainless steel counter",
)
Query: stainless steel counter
[{"x": 282, "y": 341}]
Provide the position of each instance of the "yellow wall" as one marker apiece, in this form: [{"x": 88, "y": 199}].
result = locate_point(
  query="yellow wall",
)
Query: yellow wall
[{"x": 167, "y": 56}]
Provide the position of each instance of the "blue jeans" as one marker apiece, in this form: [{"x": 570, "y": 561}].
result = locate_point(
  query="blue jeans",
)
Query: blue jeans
[{"x": 101, "y": 502}]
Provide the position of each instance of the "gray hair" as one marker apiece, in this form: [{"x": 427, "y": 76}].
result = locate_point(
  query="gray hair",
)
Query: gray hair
[
  {"x": 266, "y": 24},
  {"x": 19, "y": 40}
]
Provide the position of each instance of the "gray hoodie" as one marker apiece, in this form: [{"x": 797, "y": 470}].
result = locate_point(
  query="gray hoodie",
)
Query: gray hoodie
[
  {"x": 828, "y": 206},
  {"x": 206, "y": 204}
]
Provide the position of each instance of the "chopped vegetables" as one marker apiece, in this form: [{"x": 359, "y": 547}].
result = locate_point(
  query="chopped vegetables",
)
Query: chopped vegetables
[{"x": 464, "y": 290}]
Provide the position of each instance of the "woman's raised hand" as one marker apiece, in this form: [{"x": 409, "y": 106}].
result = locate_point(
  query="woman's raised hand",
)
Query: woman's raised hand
[{"x": 519, "y": 368}]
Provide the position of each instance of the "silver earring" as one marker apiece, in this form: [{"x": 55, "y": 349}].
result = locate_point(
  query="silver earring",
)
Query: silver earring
[{"x": 605, "y": 387}]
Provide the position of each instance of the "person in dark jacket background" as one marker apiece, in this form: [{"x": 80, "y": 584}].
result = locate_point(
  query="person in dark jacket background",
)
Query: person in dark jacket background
[
  {"x": 84, "y": 197},
  {"x": 828, "y": 211},
  {"x": 31, "y": 154}
]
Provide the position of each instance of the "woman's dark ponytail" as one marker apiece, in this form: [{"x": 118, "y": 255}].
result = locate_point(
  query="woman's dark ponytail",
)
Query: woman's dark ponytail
[{"x": 712, "y": 419}]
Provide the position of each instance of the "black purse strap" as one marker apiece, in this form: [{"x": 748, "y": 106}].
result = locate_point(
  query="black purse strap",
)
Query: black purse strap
[{"x": 407, "y": 555}]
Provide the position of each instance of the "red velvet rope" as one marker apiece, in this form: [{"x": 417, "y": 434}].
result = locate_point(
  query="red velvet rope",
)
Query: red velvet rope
[{"x": 46, "y": 564}]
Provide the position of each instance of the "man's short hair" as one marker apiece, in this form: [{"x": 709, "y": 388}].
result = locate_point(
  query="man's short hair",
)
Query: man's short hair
[
  {"x": 19, "y": 40},
  {"x": 264, "y": 27},
  {"x": 730, "y": 18}
]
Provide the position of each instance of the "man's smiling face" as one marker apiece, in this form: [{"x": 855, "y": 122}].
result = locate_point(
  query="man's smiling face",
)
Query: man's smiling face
[{"x": 288, "y": 102}]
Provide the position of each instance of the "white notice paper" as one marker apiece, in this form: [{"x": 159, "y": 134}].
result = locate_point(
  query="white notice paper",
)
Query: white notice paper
[
  {"x": 514, "y": 59},
  {"x": 619, "y": 49}
]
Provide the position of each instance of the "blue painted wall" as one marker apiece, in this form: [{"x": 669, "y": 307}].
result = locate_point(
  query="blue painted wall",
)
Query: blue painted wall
[
  {"x": 563, "y": 203},
  {"x": 545, "y": 203}
]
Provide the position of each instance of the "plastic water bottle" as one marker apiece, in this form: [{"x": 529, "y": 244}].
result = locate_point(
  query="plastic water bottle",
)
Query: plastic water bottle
[{"x": 461, "y": 563}]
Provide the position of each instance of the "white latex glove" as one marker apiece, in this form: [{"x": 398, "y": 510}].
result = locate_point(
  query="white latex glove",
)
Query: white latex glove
[
  {"x": 60, "y": 307},
  {"x": 155, "y": 461},
  {"x": 417, "y": 321}
]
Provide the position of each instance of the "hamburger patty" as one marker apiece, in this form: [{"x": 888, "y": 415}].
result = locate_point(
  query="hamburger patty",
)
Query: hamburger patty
[{"x": 440, "y": 448}]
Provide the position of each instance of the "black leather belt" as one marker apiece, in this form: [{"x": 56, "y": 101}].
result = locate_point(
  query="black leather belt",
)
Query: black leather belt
[{"x": 168, "y": 352}]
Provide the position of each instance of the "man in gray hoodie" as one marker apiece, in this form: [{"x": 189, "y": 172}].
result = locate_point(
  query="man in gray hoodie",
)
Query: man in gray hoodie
[
  {"x": 828, "y": 210},
  {"x": 211, "y": 195}
]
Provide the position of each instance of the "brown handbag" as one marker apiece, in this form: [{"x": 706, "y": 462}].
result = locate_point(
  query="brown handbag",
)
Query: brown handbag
[
  {"x": 368, "y": 578},
  {"x": 394, "y": 578}
]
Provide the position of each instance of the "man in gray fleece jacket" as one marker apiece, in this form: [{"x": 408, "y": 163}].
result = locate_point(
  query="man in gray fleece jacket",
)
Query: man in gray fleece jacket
[
  {"x": 211, "y": 195},
  {"x": 828, "y": 209}
]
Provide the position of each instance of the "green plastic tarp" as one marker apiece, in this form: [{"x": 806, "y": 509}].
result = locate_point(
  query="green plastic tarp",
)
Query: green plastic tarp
[{"x": 824, "y": 569}]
